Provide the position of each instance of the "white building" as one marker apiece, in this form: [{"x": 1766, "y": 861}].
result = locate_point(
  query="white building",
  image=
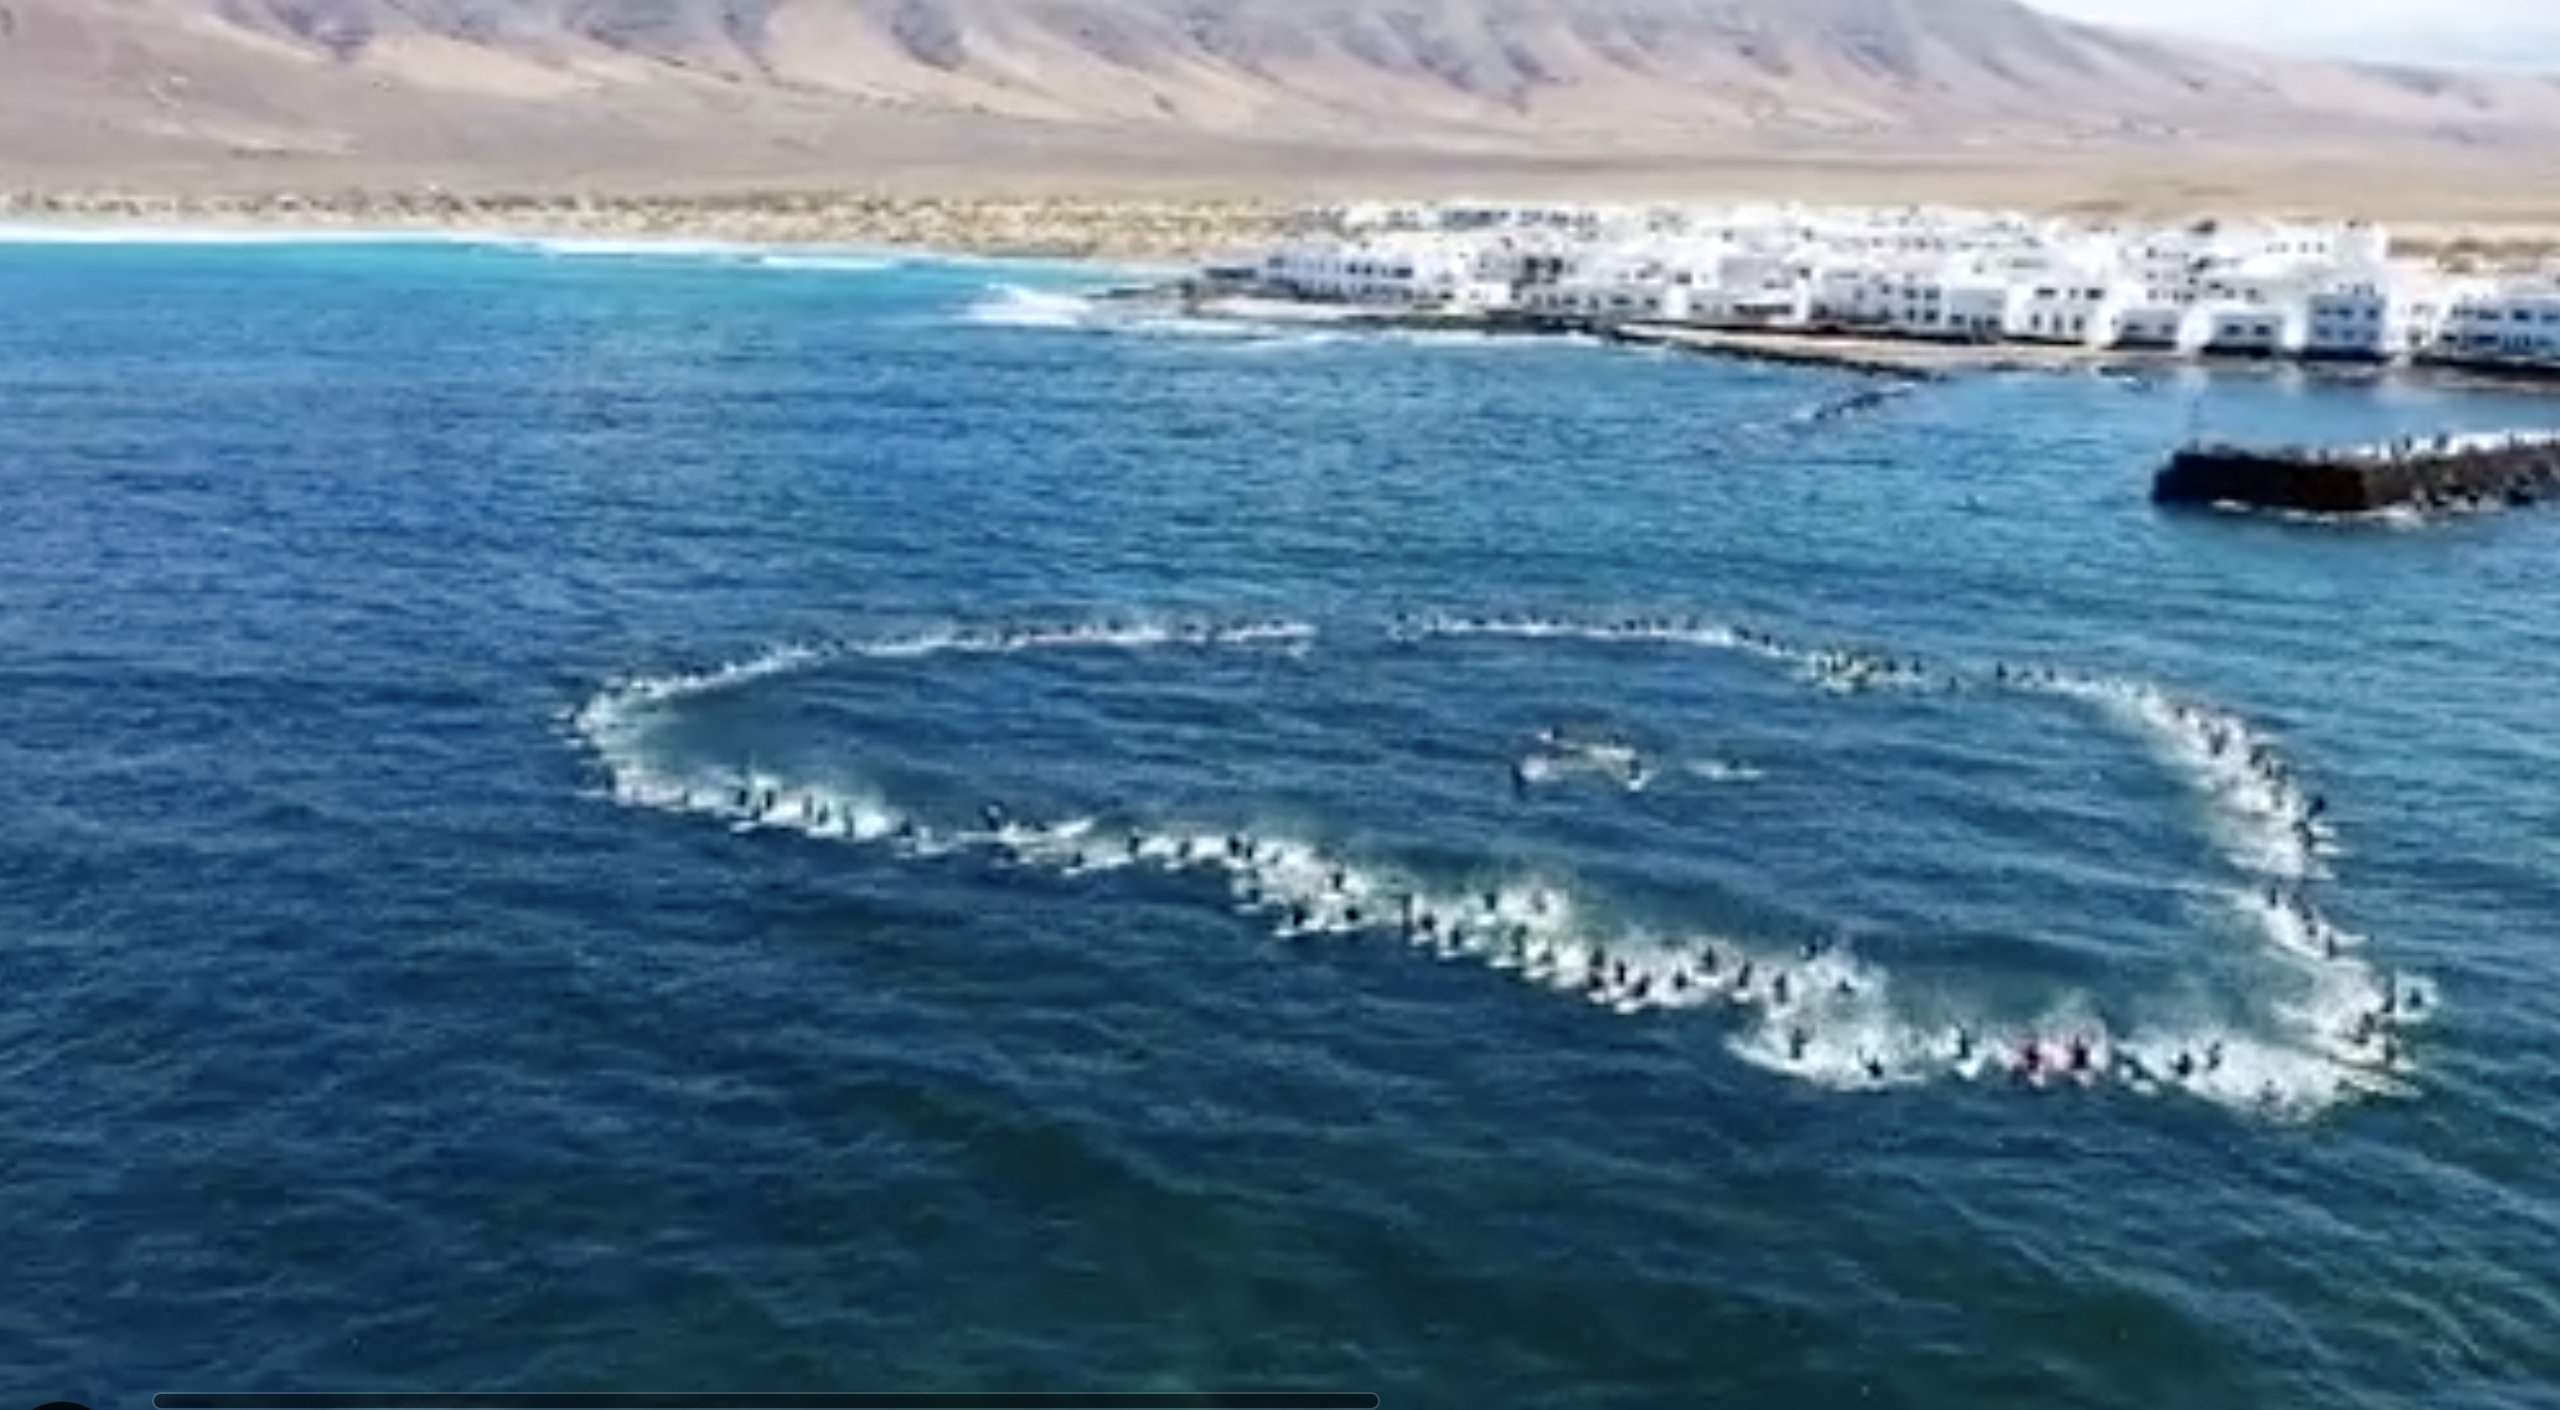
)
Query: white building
[
  {"x": 2153, "y": 323},
  {"x": 1972, "y": 306},
  {"x": 2265, "y": 288},
  {"x": 2071, "y": 306},
  {"x": 1386, "y": 272},
  {"x": 2377, "y": 314},
  {"x": 2246, "y": 329},
  {"x": 2510, "y": 324},
  {"x": 1607, "y": 289}
]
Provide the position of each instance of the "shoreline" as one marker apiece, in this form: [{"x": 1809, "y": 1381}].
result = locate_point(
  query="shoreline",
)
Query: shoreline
[
  {"x": 1928, "y": 360},
  {"x": 1133, "y": 230},
  {"x": 1163, "y": 240}
]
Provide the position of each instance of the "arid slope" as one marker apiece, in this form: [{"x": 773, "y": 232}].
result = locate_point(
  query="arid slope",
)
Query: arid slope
[{"x": 672, "y": 90}]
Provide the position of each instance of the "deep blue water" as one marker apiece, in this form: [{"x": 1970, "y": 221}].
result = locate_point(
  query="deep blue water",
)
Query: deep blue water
[{"x": 395, "y": 1000}]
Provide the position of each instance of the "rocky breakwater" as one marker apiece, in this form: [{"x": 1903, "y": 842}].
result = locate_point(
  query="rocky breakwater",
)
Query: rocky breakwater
[
  {"x": 2438, "y": 472},
  {"x": 1138, "y": 228}
]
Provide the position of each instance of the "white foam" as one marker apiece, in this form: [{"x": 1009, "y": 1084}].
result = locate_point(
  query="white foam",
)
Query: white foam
[
  {"x": 733, "y": 252},
  {"x": 1829, "y": 1017},
  {"x": 614, "y": 248},
  {"x": 1234, "y": 325},
  {"x": 1246, "y": 341},
  {"x": 829, "y": 264},
  {"x": 1472, "y": 340},
  {"x": 1277, "y": 311},
  {"x": 35, "y": 234},
  {"x": 1013, "y": 306}
]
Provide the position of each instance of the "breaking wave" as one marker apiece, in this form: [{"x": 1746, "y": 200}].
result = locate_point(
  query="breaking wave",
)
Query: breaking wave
[
  {"x": 1240, "y": 325},
  {"x": 119, "y": 234}
]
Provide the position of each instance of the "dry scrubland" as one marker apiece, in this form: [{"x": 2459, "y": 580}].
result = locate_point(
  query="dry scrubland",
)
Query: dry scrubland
[{"x": 2463, "y": 216}]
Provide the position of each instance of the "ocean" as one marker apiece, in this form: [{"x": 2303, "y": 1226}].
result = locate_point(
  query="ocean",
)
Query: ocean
[{"x": 583, "y": 816}]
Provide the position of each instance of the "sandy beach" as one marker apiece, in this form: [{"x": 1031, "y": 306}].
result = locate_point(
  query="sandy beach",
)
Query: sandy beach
[
  {"x": 1135, "y": 229},
  {"x": 1171, "y": 227}
]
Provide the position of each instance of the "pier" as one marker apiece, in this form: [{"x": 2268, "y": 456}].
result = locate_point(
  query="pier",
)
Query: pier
[{"x": 2436, "y": 472}]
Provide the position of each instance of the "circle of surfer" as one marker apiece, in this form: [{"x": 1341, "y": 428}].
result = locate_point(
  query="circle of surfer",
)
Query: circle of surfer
[{"x": 1815, "y": 1011}]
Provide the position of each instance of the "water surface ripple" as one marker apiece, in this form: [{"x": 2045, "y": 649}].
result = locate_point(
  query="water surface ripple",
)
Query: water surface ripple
[{"x": 422, "y": 972}]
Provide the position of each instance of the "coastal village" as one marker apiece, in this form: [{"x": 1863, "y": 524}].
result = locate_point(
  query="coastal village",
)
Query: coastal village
[{"x": 2261, "y": 289}]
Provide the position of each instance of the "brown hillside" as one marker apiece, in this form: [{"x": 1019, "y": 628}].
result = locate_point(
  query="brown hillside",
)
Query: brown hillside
[{"x": 639, "y": 89}]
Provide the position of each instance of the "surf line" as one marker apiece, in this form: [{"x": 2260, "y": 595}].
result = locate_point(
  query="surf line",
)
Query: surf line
[{"x": 1817, "y": 1013}]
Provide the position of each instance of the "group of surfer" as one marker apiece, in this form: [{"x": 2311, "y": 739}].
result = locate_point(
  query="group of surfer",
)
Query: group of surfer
[
  {"x": 2372, "y": 1034},
  {"x": 1708, "y": 973},
  {"x": 1614, "y": 978},
  {"x": 1849, "y": 670},
  {"x": 1741, "y": 979},
  {"x": 1610, "y": 755},
  {"x": 1285, "y": 877},
  {"x": 1838, "y": 668},
  {"x": 1410, "y": 626},
  {"x": 1334, "y": 899},
  {"x": 1111, "y": 631},
  {"x": 2223, "y": 741}
]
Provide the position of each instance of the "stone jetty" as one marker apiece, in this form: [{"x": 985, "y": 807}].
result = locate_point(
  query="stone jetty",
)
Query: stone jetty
[
  {"x": 2435, "y": 472},
  {"x": 1909, "y": 361}
]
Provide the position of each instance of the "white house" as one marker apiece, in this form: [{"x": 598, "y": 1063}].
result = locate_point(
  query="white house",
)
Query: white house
[
  {"x": 1606, "y": 290},
  {"x": 2247, "y": 330},
  {"x": 2070, "y": 306},
  {"x": 1390, "y": 272},
  {"x": 2264, "y": 288},
  {"x": 2377, "y": 314},
  {"x": 2504, "y": 323},
  {"x": 1972, "y": 306},
  {"x": 2153, "y": 323}
]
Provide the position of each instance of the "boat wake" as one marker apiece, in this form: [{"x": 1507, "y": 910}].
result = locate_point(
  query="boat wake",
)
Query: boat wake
[{"x": 2327, "y": 1025}]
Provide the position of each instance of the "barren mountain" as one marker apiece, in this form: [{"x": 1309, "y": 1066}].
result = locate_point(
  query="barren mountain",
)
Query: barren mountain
[{"x": 668, "y": 87}]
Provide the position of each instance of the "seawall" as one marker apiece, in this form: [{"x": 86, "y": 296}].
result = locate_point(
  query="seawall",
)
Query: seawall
[
  {"x": 2507, "y": 468},
  {"x": 1907, "y": 361}
]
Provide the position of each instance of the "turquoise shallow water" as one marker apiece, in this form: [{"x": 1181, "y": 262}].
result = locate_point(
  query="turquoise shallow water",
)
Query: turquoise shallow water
[{"x": 494, "y": 893}]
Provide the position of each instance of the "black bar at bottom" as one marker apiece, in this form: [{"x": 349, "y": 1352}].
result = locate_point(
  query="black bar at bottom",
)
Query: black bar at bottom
[{"x": 821, "y": 1400}]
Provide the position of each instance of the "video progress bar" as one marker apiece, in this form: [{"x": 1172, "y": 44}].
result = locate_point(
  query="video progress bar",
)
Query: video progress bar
[{"x": 828, "y": 1400}]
